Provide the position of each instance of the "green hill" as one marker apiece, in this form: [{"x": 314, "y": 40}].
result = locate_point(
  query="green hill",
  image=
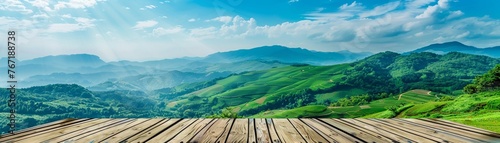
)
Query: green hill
[
  {"x": 300, "y": 84},
  {"x": 376, "y": 106},
  {"x": 480, "y": 108},
  {"x": 43, "y": 104}
]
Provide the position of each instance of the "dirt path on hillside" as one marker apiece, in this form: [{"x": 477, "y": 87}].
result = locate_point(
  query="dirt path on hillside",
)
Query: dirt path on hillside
[{"x": 400, "y": 96}]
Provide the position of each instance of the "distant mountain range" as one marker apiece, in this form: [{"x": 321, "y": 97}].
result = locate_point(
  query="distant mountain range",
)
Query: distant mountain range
[
  {"x": 285, "y": 54},
  {"x": 454, "y": 46},
  {"x": 89, "y": 70}
]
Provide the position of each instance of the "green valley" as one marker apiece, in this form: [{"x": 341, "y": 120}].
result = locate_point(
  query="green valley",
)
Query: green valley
[
  {"x": 384, "y": 85},
  {"x": 379, "y": 76}
]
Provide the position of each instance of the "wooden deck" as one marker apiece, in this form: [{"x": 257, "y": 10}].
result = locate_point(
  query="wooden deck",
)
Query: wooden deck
[{"x": 252, "y": 130}]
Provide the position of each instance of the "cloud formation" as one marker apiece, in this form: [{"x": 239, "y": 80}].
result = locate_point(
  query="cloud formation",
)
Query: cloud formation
[{"x": 144, "y": 24}]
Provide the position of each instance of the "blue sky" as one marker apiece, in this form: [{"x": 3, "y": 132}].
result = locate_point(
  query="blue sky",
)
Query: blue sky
[{"x": 151, "y": 30}]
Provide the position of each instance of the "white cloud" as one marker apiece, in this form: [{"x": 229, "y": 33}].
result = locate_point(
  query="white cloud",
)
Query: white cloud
[
  {"x": 443, "y": 3},
  {"x": 40, "y": 16},
  {"x": 144, "y": 24},
  {"x": 385, "y": 27},
  {"x": 192, "y": 20},
  {"x": 66, "y": 16},
  {"x": 433, "y": 10},
  {"x": 418, "y": 3},
  {"x": 224, "y": 19},
  {"x": 380, "y": 10},
  {"x": 292, "y": 1},
  {"x": 160, "y": 31},
  {"x": 42, "y": 4},
  {"x": 127, "y": 8},
  {"x": 150, "y": 6},
  {"x": 63, "y": 28},
  {"x": 81, "y": 24},
  {"x": 462, "y": 35},
  {"x": 429, "y": 12},
  {"x": 77, "y": 4},
  {"x": 350, "y": 6},
  {"x": 14, "y": 5},
  {"x": 454, "y": 14}
]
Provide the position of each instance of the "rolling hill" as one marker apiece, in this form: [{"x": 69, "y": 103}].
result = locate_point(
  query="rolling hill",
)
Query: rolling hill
[
  {"x": 299, "y": 85},
  {"x": 455, "y": 46},
  {"x": 479, "y": 107},
  {"x": 286, "y": 55},
  {"x": 374, "y": 107}
]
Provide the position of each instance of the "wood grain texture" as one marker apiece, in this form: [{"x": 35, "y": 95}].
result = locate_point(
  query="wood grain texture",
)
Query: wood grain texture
[
  {"x": 169, "y": 132},
  {"x": 273, "y": 133},
  {"x": 42, "y": 128},
  {"x": 330, "y": 134},
  {"x": 287, "y": 132},
  {"x": 239, "y": 132},
  {"x": 354, "y": 133},
  {"x": 476, "y": 136},
  {"x": 147, "y": 134},
  {"x": 252, "y": 135},
  {"x": 42, "y": 136},
  {"x": 307, "y": 133},
  {"x": 86, "y": 131},
  {"x": 103, "y": 134},
  {"x": 190, "y": 132},
  {"x": 261, "y": 131},
  {"x": 214, "y": 133},
  {"x": 442, "y": 135},
  {"x": 388, "y": 133},
  {"x": 258, "y": 130},
  {"x": 136, "y": 130}
]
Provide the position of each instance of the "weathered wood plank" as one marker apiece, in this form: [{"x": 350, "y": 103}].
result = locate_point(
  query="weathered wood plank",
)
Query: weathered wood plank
[
  {"x": 478, "y": 137},
  {"x": 287, "y": 132},
  {"x": 43, "y": 128},
  {"x": 464, "y": 127},
  {"x": 275, "y": 138},
  {"x": 91, "y": 129},
  {"x": 19, "y": 133},
  {"x": 443, "y": 135},
  {"x": 141, "y": 128},
  {"x": 252, "y": 130},
  {"x": 330, "y": 134},
  {"x": 309, "y": 134},
  {"x": 203, "y": 131},
  {"x": 227, "y": 130},
  {"x": 373, "y": 128},
  {"x": 252, "y": 135},
  {"x": 152, "y": 131},
  {"x": 239, "y": 131},
  {"x": 41, "y": 136},
  {"x": 261, "y": 131},
  {"x": 190, "y": 132},
  {"x": 105, "y": 133},
  {"x": 355, "y": 133},
  {"x": 415, "y": 136},
  {"x": 168, "y": 133},
  {"x": 214, "y": 132}
]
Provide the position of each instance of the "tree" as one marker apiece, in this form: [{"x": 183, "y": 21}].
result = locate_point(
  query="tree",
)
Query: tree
[
  {"x": 488, "y": 81},
  {"x": 470, "y": 89},
  {"x": 226, "y": 113}
]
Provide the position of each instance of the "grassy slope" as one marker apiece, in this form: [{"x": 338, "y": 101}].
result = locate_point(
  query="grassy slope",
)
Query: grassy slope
[
  {"x": 414, "y": 96},
  {"x": 301, "y": 112},
  {"x": 251, "y": 89},
  {"x": 479, "y": 110}
]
